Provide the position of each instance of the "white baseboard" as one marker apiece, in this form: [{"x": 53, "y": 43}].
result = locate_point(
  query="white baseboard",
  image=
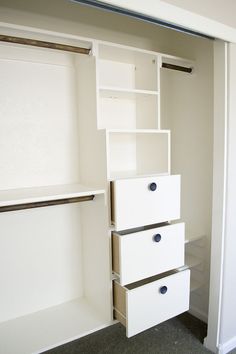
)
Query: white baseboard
[
  {"x": 198, "y": 313},
  {"x": 227, "y": 347}
]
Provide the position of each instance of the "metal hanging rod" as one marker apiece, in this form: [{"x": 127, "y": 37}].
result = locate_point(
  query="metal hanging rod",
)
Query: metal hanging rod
[
  {"x": 177, "y": 67},
  {"x": 45, "y": 203},
  {"x": 43, "y": 44}
]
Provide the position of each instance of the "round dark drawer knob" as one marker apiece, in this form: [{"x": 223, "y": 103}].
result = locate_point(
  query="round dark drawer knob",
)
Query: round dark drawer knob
[
  {"x": 152, "y": 186},
  {"x": 163, "y": 289},
  {"x": 157, "y": 238}
]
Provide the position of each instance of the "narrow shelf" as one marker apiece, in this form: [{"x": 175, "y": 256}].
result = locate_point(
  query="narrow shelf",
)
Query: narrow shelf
[
  {"x": 133, "y": 174},
  {"x": 194, "y": 239},
  {"x": 190, "y": 262},
  {"x": 108, "y": 91},
  {"x": 49, "y": 328},
  {"x": 139, "y": 131},
  {"x": 58, "y": 194}
]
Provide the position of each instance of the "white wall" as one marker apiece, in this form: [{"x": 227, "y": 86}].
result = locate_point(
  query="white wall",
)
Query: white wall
[
  {"x": 218, "y": 10},
  {"x": 181, "y": 17}
]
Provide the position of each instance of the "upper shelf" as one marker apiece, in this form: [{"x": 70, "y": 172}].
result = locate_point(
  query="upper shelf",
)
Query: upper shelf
[
  {"x": 22, "y": 198},
  {"x": 108, "y": 91}
]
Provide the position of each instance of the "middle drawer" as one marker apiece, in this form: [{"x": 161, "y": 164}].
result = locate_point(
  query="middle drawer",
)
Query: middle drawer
[{"x": 142, "y": 254}]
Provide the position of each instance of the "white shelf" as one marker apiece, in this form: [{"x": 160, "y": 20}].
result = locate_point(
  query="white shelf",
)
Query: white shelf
[
  {"x": 190, "y": 262},
  {"x": 115, "y": 175},
  {"x": 194, "y": 239},
  {"x": 46, "y": 193},
  {"x": 108, "y": 91},
  {"x": 49, "y": 328},
  {"x": 139, "y": 131}
]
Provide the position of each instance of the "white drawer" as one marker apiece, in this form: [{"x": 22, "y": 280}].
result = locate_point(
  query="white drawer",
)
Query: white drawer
[
  {"x": 134, "y": 204},
  {"x": 141, "y": 306},
  {"x": 146, "y": 253}
]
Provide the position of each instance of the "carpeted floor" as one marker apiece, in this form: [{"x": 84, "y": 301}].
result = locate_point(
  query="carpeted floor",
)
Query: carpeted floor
[{"x": 181, "y": 335}]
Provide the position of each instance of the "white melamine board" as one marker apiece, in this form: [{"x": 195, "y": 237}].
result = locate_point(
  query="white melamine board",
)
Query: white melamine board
[
  {"x": 49, "y": 328},
  {"x": 38, "y": 127},
  {"x": 116, "y": 74},
  {"x": 128, "y": 68},
  {"x": 121, "y": 53},
  {"x": 141, "y": 257},
  {"x": 140, "y": 152},
  {"x": 47, "y": 193},
  {"x": 96, "y": 256},
  {"x": 127, "y": 109},
  {"x": 146, "y": 306},
  {"x": 199, "y": 240},
  {"x": 40, "y": 259},
  {"x": 136, "y": 205},
  {"x": 108, "y": 91},
  {"x": 92, "y": 143}
]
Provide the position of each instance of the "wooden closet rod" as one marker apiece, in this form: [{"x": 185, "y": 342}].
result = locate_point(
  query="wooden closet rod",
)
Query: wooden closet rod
[
  {"x": 45, "y": 203},
  {"x": 177, "y": 67},
  {"x": 43, "y": 44}
]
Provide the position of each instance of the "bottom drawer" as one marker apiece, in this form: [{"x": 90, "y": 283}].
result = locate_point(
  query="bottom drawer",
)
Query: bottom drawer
[{"x": 146, "y": 303}]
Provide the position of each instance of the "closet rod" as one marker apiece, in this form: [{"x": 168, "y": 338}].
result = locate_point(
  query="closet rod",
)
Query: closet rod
[
  {"x": 45, "y": 203},
  {"x": 43, "y": 44},
  {"x": 177, "y": 67}
]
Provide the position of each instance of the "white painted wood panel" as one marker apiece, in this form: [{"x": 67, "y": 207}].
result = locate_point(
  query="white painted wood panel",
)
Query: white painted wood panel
[
  {"x": 43, "y": 330},
  {"x": 39, "y": 194},
  {"x": 146, "y": 306},
  {"x": 136, "y": 205},
  {"x": 140, "y": 256}
]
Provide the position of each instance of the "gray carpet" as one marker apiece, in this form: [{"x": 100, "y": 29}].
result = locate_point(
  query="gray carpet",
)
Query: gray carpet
[{"x": 181, "y": 335}]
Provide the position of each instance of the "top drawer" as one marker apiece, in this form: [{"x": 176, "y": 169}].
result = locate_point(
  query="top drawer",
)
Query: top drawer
[{"x": 145, "y": 201}]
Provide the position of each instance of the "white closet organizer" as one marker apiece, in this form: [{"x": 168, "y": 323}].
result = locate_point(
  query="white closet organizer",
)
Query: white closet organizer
[
  {"x": 92, "y": 128},
  {"x": 142, "y": 190}
]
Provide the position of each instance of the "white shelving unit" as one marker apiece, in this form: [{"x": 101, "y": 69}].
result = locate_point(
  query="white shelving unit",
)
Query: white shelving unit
[{"x": 128, "y": 88}]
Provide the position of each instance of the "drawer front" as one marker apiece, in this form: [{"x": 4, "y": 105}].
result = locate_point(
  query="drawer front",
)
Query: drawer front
[
  {"x": 145, "y": 201},
  {"x": 146, "y": 306},
  {"x": 146, "y": 253}
]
